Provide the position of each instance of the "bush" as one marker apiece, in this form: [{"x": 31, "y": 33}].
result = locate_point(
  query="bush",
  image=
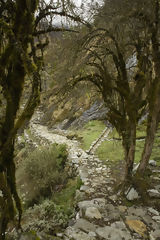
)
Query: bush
[
  {"x": 52, "y": 215},
  {"x": 46, "y": 217},
  {"x": 44, "y": 170}
]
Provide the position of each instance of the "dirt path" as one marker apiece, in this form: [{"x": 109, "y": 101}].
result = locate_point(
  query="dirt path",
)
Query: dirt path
[{"x": 101, "y": 214}]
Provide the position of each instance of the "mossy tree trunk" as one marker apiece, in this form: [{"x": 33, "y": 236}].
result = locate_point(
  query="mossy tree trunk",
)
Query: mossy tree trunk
[
  {"x": 15, "y": 65},
  {"x": 22, "y": 41}
]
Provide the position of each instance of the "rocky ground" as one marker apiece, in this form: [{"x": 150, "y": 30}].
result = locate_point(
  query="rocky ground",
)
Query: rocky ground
[{"x": 101, "y": 214}]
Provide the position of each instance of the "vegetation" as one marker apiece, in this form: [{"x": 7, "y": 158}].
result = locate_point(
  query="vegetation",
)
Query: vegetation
[
  {"x": 120, "y": 56},
  {"x": 90, "y": 132},
  {"x": 48, "y": 194},
  {"x": 116, "y": 55},
  {"x": 21, "y": 58},
  {"x": 112, "y": 150},
  {"x": 43, "y": 172}
]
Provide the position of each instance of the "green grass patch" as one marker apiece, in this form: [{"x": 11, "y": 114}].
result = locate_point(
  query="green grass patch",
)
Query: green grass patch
[
  {"x": 90, "y": 132},
  {"x": 113, "y": 134},
  {"x": 141, "y": 130},
  {"x": 114, "y": 152},
  {"x": 110, "y": 150}
]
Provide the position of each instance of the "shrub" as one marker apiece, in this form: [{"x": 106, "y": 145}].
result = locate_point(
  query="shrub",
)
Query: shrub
[
  {"x": 46, "y": 217},
  {"x": 52, "y": 215},
  {"x": 44, "y": 170}
]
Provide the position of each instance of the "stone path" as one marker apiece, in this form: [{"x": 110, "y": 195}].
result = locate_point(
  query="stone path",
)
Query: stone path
[{"x": 101, "y": 214}]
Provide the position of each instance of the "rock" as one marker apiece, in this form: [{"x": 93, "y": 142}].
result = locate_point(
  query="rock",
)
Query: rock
[
  {"x": 136, "y": 167},
  {"x": 110, "y": 207},
  {"x": 78, "y": 235},
  {"x": 132, "y": 217},
  {"x": 156, "y": 218},
  {"x": 137, "y": 211},
  {"x": 84, "y": 188},
  {"x": 122, "y": 208},
  {"x": 150, "y": 222},
  {"x": 156, "y": 179},
  {"x": 92, "y": 234},
  {"x": 155, "y": 235},
  {"x": 96, "y": 111},
  {"x": 85, "y": 225},
  {"x": 85, "y": 204},
  {"x": 83, "y": 174},
  {"x": 153, "y": 211},
  {"x": 92, "y": 213},
  {"x": 137, "y": 226},
  {"x": 59, "y": 235},
  {"x": 113, "y": 234},
  {"x": 154, "y": 193},
  {"x": 113, "y": 198},
  {"x": 153, "y": 163},
  {"x": 97, "y": 202},
  {"x": 157, "y": 187},
  {"x": 79, "y": 196},
  {"x": 119, "y": 225},
  {"x": 132, "y": 194}
]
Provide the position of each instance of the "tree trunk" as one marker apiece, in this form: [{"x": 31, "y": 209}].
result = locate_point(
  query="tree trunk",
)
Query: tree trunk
[
  {"x": 149, "y": 141},
  {"x": 129, "y": 144},
  {"x": 154, "y": 98}
]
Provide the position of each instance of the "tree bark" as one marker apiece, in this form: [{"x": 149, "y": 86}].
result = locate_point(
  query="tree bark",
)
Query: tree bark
[
  {"x": 151, "y": 131},
  {"x": 129, "y": 144}
]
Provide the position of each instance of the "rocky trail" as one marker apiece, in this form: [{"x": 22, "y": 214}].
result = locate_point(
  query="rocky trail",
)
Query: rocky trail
[{"x": 101, "y": 214}]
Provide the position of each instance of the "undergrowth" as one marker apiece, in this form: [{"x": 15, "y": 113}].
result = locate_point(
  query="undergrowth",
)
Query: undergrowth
[
  {"x": 41, "y": 173},
  {"x": 53, "y": 214}
]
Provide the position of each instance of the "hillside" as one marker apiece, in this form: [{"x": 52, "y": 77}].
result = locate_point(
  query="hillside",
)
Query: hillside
[{"x": 79, "y": 120}]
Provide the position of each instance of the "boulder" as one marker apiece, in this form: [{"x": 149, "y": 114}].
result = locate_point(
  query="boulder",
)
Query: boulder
[
  {"x": 85, "y": 225},
  {"x": 137, "y": 226},
  {"x": 154, "y": 193},
  {"x": 153, "y": 163},
  {"x": 78, "y": 235},
  {"x": 112, "y": 233},
  {"x": 132, "y": 194},
  {"x": 153, "y": 211},
  {"x": 155, "y": 235},
  {"x": 92, "y": 213}
]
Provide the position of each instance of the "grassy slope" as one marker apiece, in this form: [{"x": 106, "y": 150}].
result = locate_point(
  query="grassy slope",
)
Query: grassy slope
[
  {"x": 112, "y": 150},
  {"x": 90, "y": 132}
]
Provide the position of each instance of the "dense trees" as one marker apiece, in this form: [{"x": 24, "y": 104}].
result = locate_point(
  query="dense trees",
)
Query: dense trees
[
  {"x": 121, "y": 57},
  {"x": 22, "y": 41}
]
